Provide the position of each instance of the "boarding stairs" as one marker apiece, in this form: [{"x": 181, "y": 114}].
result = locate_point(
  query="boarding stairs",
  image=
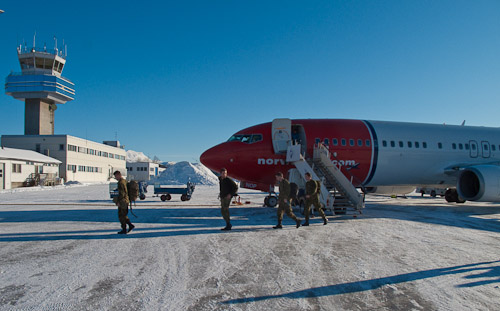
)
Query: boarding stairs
[{"x": 337, "y": 191}]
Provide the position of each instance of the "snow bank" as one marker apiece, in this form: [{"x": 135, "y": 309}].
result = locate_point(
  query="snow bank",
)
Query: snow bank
[
  {"x": 182, "y": 172},
  {"x": 134, "y": 156}
]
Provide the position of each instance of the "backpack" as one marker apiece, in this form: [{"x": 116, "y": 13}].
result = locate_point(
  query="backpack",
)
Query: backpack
[
  {"x": 133, "y": 190},
  {"x": 318, "y": 184}
]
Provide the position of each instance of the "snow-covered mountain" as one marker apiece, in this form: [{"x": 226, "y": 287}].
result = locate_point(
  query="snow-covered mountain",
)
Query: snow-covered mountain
[
  {"x": 134, "y": 156},
  {"x": 181, "y": 172}
]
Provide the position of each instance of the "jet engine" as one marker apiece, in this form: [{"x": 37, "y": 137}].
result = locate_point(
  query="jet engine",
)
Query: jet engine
[{"x": 480, "y": 183}]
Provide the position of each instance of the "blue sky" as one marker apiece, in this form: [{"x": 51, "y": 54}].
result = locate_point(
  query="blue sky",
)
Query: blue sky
[{"x": 173, "y": 78}]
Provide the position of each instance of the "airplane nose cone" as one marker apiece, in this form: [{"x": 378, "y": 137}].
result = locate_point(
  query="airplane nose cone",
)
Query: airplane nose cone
[{"x": 211, "y": 158}]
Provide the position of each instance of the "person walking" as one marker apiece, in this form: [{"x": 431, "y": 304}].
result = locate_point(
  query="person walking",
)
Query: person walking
[
  {"x": 313, "y": 189},
  {"x": 122, "y": 202},
  {"x": 284, "y": 201},
  {"x": 228, "y": 189}
]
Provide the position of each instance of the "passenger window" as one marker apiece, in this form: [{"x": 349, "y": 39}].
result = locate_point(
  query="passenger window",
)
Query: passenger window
[
  {"x": 401, "y": 145},
  {"x": 360, "y": 143},
  {"x": 440, "y": 145},
  {"x": 466, "y": 146},
  {"x": 460, "y": 146},
  {"x": 424, "y": 145},
  {"x": 393, "y": 144},
  {"x": 473, "y": 147},
  {"x": 384, "y": 143},
  {"x": 367, "y": 143},
  {"x": 417, "y": 144},
  {"x": 493, "y": 147},
  {"x": 317, "y": 140},
  {"x": 454, "y": 146},
  {"x": 351, "y": 142},
  {"x": 326, "y": 141},
  {"x": 335, "y": 142},
  {"x": 409, "y": 144},
  {"x": 343, "y": 141}
]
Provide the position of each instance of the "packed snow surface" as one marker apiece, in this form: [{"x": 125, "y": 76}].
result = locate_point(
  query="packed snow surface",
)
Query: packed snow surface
[
  {"x": 135, "y": 156},
  {"x": 59, "y": 250},
  {"x": 181, "y": 172}
]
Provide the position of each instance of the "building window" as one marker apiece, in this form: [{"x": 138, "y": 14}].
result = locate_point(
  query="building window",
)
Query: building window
[
  {"x": 105, "y": 154},
  {"x": 16, "y": 168},
  {"x": 82, "y": 149},
  {"x": 81, "y": 168},
  {"x": 122, "y": 157},
  {"x": 71, "y": 148},
  {"x": 72, "y": 168},
  {"x": 61, "y": 147},
  {"x": 111, "y": 155}
]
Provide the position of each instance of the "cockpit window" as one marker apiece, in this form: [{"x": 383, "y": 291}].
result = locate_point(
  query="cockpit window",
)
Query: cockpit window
[{"x": 246, "y": 138}]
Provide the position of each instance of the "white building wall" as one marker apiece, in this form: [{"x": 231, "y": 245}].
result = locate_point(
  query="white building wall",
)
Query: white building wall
[
  {"x": 82, "y": 160},
  {"x": 142, "y": 171},
  {"x": 16, "y": 179}
]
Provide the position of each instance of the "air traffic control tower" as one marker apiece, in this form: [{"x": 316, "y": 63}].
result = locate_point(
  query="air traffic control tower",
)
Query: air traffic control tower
[{"x": 41, "y": 86}]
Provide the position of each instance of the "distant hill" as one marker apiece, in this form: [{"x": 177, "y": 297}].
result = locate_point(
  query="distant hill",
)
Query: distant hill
[
  {"x": 181, "y": 172},
  {"x": 134, "y": 156}
]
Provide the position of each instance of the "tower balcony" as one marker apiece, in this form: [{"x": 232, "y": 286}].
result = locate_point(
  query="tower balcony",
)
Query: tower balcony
[{"x": 40, "y": 85}]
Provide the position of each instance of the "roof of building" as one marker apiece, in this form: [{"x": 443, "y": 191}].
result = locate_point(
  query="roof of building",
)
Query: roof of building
[{"x": 25, "y": 155}]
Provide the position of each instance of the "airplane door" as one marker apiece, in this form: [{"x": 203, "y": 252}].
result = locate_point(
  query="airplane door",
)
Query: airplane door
[
  {"x": 281, "y": 131},
  {"x": 485, "y": 146},
  {"x": 1, "y": 176},
  {"x": 473, "y": 149}
]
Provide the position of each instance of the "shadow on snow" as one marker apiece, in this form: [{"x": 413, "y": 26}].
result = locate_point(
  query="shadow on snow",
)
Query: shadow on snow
[{"x": 489, "y": 269}]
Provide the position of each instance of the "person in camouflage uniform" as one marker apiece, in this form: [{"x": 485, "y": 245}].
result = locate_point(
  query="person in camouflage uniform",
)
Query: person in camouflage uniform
[
  {"x": 122, "y": 202},
  {"x": 228, "y": 188},
  {"x": 313, "y": 189},
  {"x": 284, "y": 201}
]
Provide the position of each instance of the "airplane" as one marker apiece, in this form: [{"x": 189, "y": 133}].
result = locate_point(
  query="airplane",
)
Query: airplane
[{"x": 377, "y": 156}]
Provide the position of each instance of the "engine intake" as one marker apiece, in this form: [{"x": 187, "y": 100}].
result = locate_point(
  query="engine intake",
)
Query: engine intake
[{"x": 480, "y": 183}]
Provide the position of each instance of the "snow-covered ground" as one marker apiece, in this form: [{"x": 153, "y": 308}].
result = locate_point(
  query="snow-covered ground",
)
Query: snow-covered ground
[{"x": 59, "y": 251}]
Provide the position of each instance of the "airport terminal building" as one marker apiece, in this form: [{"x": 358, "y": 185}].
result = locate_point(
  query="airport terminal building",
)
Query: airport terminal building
[{"x": 81, "y": 160}]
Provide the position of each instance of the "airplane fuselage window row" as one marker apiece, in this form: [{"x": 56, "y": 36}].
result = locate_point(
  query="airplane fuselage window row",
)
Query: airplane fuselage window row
[
  {"x": 344, "y": 142},
  {"x": 454, "y": 146}
]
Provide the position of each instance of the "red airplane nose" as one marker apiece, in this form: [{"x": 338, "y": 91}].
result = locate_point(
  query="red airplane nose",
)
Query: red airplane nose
[{"x": 213, "y": 158}]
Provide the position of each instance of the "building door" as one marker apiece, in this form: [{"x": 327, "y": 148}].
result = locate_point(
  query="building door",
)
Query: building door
[{"x": 2, "y": 183}]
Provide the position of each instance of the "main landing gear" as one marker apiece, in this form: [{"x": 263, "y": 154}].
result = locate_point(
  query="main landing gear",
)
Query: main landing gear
[{"x": 451, "y": 196}]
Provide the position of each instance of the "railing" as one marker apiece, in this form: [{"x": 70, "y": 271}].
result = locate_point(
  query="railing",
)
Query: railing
[{"x": 26, "y": 50}]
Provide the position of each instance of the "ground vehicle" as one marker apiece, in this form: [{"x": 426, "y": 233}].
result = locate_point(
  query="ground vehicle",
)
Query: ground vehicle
[{"x": 165, "y": 191}]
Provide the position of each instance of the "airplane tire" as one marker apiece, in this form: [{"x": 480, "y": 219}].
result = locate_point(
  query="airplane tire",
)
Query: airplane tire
[
  {"x": 433, "y": 193},
  {"x": 168, "y": 197},
  {"x": 272, "y": 201},
  {"x": 163, "y": 197},
  {"x": 184, "y": 197},
  {"x": 142, "y": 196}
]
